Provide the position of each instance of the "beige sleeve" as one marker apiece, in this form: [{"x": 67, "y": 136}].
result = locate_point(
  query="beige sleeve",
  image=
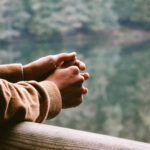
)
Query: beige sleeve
[
  {"x": 11, "y": 72},
  {"x": 30, "y": 100}
]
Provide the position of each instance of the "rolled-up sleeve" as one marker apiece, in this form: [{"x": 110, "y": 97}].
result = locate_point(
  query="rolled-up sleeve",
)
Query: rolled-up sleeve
[
  {"x": 30, "y": 100},
  {"x": 11, "y": 72}
]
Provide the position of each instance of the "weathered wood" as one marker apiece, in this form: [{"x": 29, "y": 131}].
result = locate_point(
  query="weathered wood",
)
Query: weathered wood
[{"x": 34, "y": 136}]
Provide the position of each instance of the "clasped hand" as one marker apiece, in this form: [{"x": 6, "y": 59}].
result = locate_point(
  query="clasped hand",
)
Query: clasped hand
[{"x": 63, "y": 70}]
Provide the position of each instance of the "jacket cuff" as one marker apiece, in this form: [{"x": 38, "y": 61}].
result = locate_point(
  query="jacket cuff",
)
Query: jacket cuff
[
  {"x": 55, "y": 101},
  {"x": 11, "y": 72}
]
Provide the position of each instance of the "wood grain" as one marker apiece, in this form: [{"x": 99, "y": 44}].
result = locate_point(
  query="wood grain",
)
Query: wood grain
[{"x": 34, "y": 136}]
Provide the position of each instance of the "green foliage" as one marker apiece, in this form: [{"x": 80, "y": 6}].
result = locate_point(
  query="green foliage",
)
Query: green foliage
[
  {"x": 13, "y": 18},
  {"x": 118, "y": 100},
  {"x": 129, "y": 88},
  {"x": 133, "y": 12},
  {"x": 69, "y": 15},
  {"x": 46, "y": 18}
]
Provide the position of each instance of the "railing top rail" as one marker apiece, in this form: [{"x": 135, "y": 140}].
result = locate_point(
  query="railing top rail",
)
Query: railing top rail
[{"x": 34, "y": 136}]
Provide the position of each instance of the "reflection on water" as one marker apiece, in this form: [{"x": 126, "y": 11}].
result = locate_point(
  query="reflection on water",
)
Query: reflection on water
[{"x": 118, "y": 100}]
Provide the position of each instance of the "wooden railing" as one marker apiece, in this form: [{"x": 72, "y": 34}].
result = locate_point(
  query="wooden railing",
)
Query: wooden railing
[{"x": 34, "y": 136}]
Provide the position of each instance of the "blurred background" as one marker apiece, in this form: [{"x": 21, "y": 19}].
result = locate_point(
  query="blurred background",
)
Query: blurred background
[{"x": 111, "y": 37}]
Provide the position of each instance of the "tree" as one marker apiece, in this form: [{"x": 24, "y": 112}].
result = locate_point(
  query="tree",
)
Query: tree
[
  {"x": 101, "y": 15},
  {"x": 56, "y": 16},
  {"x": 68, "y": 15},
  {"x": 129, "y": 88},
  {"x": 13, "y": 19},
  {"x": 133, "y": 13}
]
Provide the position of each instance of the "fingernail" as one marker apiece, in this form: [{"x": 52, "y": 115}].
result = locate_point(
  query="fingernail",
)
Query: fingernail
[
  {"x": 86, "y": 91},
  {"x": 88, "y": 75}
]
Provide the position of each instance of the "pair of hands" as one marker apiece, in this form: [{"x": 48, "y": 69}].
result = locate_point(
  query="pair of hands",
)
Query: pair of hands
[{"x": 63, "y": 70}]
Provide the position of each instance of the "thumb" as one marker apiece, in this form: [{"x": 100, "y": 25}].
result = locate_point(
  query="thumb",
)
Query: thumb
[{"x": 68, "y": 63}]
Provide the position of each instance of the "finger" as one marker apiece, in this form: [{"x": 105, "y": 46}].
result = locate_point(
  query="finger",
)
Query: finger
[
  {"x": 75, "y": 70},
  {"x": 79, "y": 81},
  {"x": 68, "y": 63},
  {"x": 80, "y": 64},
  {"x": 85, "y": 90},
  {"x": 80, "y": 91},
  {"x": 65, "y": 57},
  {"x": 85, "y": 75},
  {"x": 75, "y": 102}
]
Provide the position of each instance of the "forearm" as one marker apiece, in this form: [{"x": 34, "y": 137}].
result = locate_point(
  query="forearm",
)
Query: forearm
[{"x": 30, "y": 101}]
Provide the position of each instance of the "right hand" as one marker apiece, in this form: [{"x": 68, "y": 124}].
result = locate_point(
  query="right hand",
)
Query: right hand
[
  {"x": 41, "y": 68},
  {"x": 70, "y": 83}
]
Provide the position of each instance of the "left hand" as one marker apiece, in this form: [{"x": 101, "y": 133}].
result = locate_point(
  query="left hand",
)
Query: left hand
[
  {"x": 70, "y": 84},
  {"x": 43, "y": 67}
]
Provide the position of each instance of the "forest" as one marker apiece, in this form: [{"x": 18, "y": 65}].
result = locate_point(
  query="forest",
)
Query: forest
[{"x": 111, "y": 37}]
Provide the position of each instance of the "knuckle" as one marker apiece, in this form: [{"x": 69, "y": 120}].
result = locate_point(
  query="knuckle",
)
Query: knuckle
[
  {"x": 50, "y": 57},
  {"x": 63, "y": 54},
  {"x": 51, "y": 60},
  {"x": 81, "y": 79},
  {"x": 60, "y": 56},
  {"x": 75, "y": 69},
  {"x": 81, "y": 90}
]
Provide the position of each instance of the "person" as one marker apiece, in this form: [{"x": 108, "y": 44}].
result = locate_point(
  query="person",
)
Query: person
[{"x": 39, "y": 90}]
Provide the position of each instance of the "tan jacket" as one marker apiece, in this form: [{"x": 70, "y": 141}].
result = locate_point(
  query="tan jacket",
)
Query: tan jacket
[{"x": 26, "y": 100}]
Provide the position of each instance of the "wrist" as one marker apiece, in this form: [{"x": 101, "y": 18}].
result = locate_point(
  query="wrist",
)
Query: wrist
[
  {"x": 22, "y": 72},
  {"x": 26, "y": 72}
]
